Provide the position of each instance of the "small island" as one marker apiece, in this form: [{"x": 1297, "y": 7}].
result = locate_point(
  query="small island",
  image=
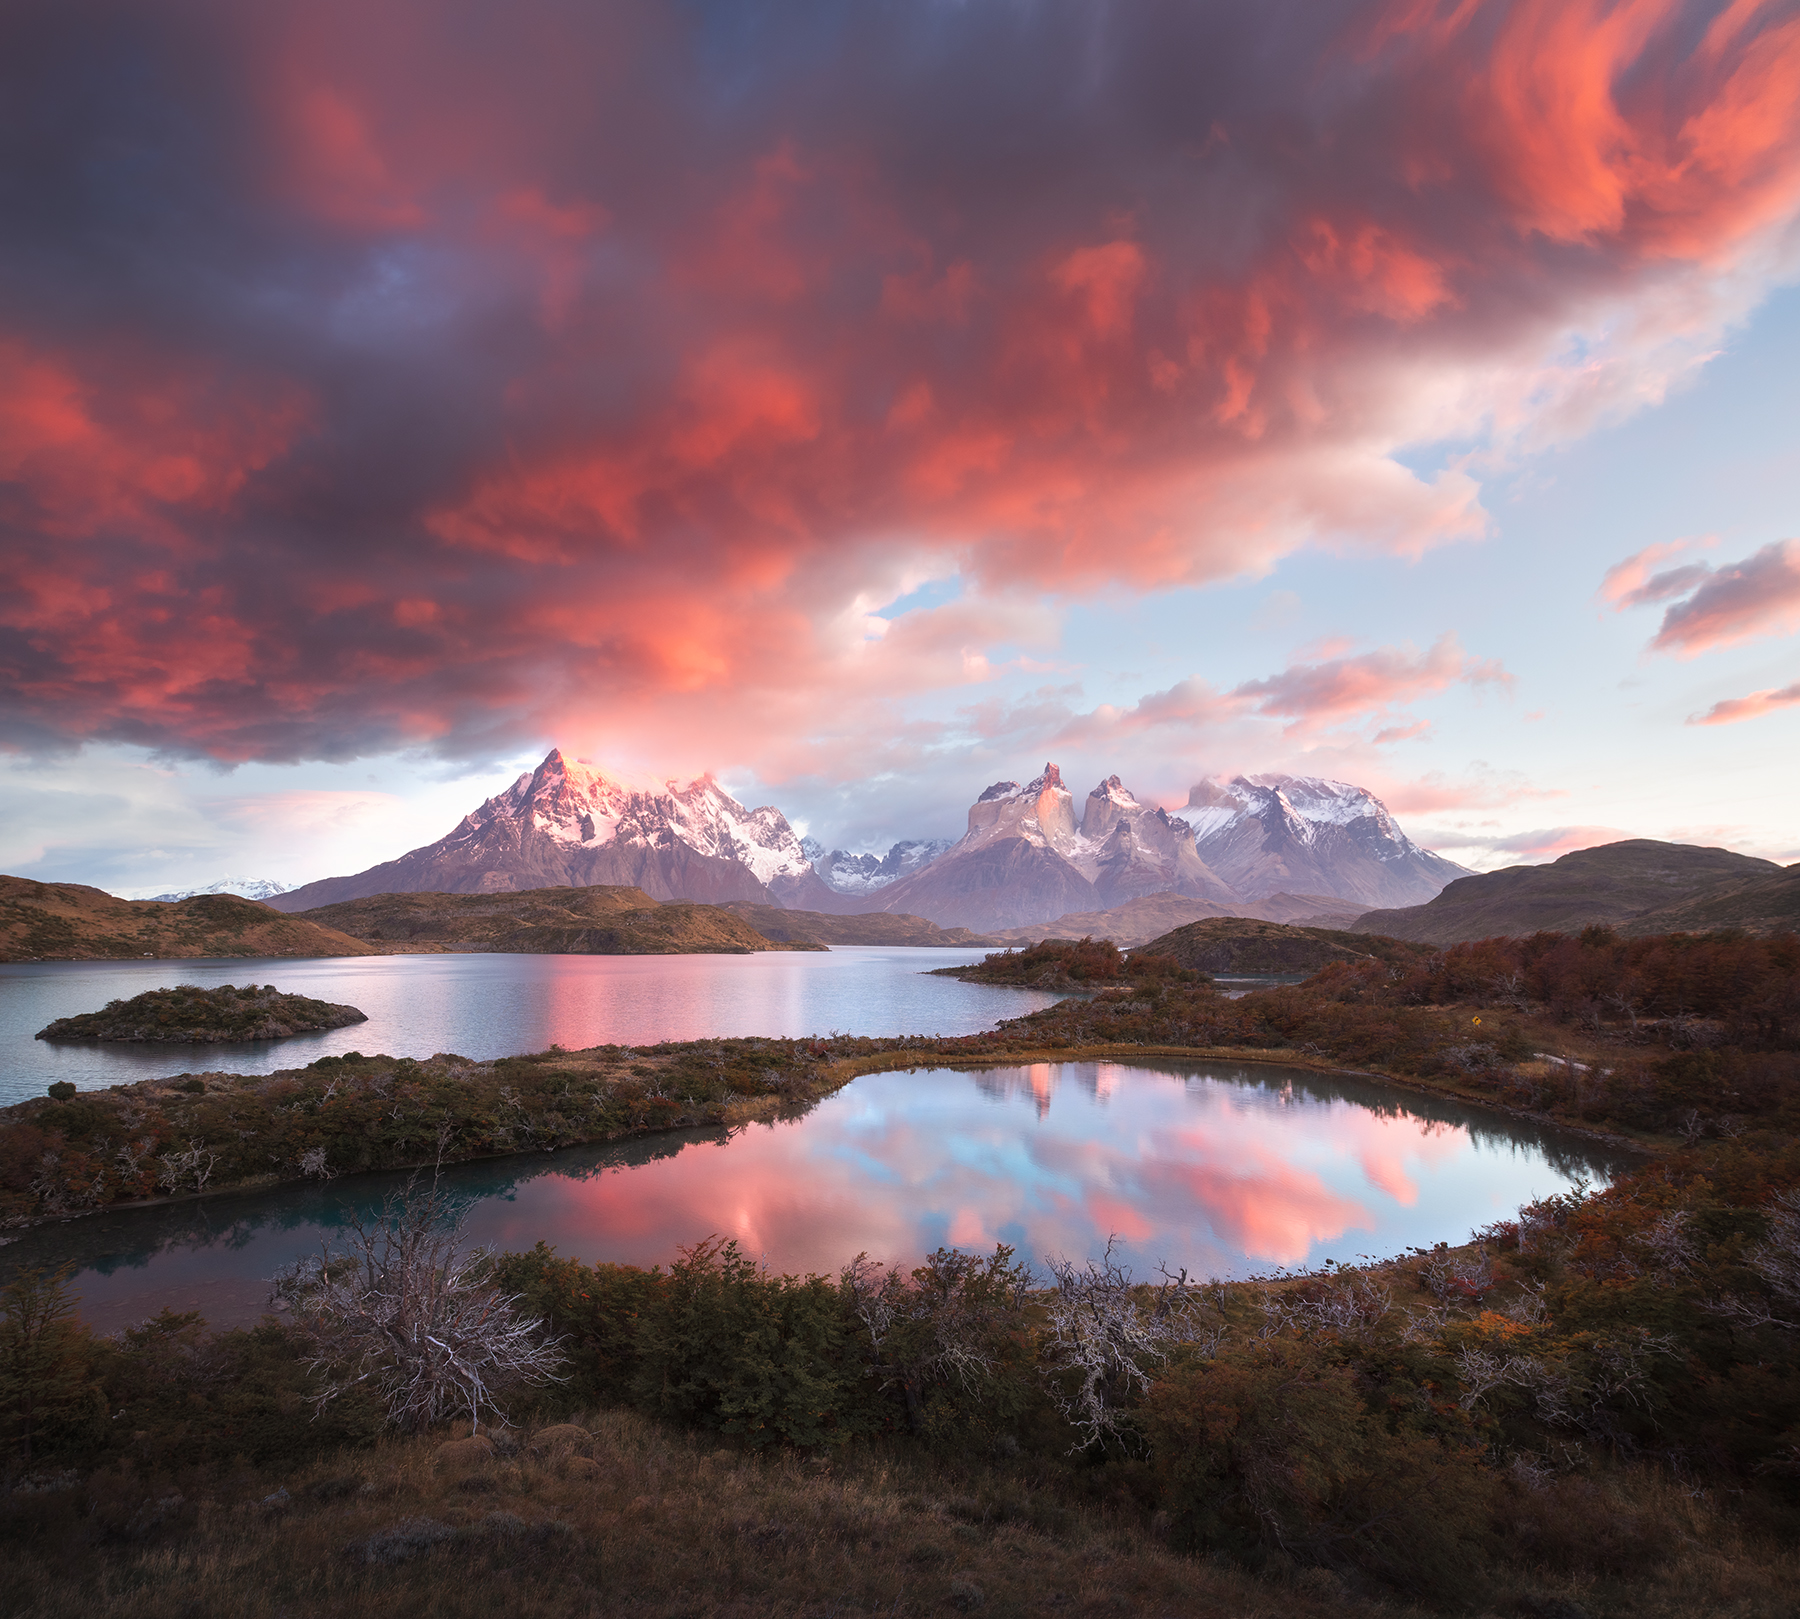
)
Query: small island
[
  {"x": 1075, "y": 966},
  {"x": 194, "y": 1016}
]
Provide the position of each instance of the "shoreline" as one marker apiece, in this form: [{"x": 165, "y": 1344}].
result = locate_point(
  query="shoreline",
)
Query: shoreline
[{"x": 827, "y": 1080}]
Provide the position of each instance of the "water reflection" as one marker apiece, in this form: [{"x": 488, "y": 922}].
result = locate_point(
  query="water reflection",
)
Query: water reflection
[
  {"x": 1226, "y": 1170},
  {"x": 493, "y": 1006}
]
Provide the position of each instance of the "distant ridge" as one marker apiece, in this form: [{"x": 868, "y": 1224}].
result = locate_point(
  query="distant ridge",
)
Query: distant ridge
[
  {"x": 263, "y": 888},
  {"x": 72, "y": 922},
  {"x": 1638, "y": 886}
]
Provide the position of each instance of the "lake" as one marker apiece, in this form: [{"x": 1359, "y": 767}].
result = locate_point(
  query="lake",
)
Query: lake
[
  {"x": 1226, "y": 1169},
  {"x": 484, "y": 1006}
]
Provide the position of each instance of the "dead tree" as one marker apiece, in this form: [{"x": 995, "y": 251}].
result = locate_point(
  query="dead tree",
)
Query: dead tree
[
  {"x": 406, "y": 1307},
  {"x": 1108, "y": 1331}
]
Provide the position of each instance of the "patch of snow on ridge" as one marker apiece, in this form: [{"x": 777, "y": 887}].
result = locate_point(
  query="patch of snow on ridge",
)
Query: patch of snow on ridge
[
  {"x": 244, "y": 887},
  {"x": 867, "y": 872}
]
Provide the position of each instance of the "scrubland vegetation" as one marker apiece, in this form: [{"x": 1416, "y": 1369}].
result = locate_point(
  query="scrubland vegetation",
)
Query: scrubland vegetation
[{"x": 1593, "y": 1408}]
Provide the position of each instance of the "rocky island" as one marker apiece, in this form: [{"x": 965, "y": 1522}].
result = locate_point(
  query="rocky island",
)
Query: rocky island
[{"x": 196, "y": 1016}]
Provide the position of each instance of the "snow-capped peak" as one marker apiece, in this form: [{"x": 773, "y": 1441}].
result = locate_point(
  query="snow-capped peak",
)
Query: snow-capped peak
[
  {"x": 578, "y": 805},
  {"x": 1306, "y": 805},
  {"x": 246, "y": 887}
]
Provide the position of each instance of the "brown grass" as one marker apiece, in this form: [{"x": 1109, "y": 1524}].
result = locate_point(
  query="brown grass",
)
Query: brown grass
[{"x": 641, "y": 1520}]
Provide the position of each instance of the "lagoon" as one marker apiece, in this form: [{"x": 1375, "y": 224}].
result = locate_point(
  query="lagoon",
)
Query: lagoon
[{"x": 1225, "y": 1169}]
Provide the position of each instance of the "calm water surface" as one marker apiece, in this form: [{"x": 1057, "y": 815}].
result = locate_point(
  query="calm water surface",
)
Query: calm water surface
[
  {"x": 1227, "y": 1170},
  {"x": 495, "y": 1006}
]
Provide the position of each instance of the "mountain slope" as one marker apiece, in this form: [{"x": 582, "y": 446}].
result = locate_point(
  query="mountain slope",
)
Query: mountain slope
[
  {"x": 1761, "y": 904},
  {"x": 71, "y": 922},
  {"x": 568, "y": 825},
  {"x": 1266, "y": 835},
  {"x": 1617, "y": 884},
  {"x": 856, "y": 876}
]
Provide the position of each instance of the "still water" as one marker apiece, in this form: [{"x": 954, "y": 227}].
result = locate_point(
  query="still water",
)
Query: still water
[
  {"x": 485, "y": 1006},
  {"x": 1227, "y": 1170}
]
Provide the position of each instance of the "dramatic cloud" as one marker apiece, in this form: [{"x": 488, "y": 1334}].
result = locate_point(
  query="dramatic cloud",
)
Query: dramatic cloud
[
  {"x": 389, "y": 374},
  {"x": 1733, "y": 709}
]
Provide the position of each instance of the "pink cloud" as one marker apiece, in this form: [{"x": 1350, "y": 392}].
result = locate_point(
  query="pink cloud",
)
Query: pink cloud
[
  {"x": 576, "y": 380},
  {"x": 1757, "y": 597},
  {"x": 1351, "y": 688},
  {"x": 1758, "y": 703}
]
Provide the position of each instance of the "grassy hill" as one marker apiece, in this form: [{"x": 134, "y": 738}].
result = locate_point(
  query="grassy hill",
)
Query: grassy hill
[
  {"x": 596, "y": 921},
  {"x": 1239, "y": 944},
  {"x": 872, "y": 927},
  {"x": 72, "y": 922},
  {"x": 1760, "y": 905},
  {"x": 1632, "y": 886}
]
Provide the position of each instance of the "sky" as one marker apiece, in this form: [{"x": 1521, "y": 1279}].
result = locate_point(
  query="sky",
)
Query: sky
[{"x": 866, "y": 403}]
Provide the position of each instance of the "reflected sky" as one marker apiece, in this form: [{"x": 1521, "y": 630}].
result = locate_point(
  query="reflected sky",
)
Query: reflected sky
[
  {"x": 484, "y": 1006},
  {"x": 1225, "y": 1170}
]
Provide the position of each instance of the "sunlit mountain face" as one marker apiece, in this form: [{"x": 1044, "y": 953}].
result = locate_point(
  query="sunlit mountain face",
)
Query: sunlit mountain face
[{"x": 862, "y": 404}]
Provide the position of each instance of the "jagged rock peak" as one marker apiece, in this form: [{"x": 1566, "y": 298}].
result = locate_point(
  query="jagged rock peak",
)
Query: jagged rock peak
[{"x": 1114, "y": 791}]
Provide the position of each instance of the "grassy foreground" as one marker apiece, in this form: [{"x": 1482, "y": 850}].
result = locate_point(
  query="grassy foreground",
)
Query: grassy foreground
[{"x": 638, "y": 1519}]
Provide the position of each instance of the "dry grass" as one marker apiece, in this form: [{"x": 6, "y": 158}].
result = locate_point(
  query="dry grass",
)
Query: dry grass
[{"x": 640, "y": 1520}]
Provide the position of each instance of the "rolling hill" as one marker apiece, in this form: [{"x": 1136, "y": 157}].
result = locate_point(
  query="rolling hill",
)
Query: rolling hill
[
  {"x": 1637, "y": 886},
  {"x": 72, "y": 922}
]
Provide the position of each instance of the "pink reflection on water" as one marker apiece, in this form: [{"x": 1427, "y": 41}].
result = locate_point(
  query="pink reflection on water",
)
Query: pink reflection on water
[{"x": 1206, "y": 1174}]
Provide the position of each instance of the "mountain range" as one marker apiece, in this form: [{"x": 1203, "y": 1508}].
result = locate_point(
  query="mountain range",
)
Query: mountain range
[
  {"x": 1277, "y": 846},
  {"x": 567, "y": 825}
]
